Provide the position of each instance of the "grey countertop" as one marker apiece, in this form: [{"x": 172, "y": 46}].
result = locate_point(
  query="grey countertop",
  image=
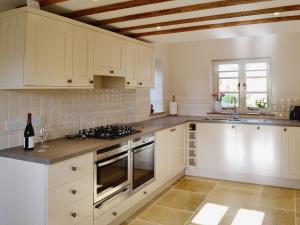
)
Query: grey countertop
[{"x": 62, "y": 149}]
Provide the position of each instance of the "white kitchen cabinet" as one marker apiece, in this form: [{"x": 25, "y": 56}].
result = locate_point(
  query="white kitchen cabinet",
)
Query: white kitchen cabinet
[
  {"x": 177, "y": 149},
  {"x": 291, "y": 152},
  {"x": 260, "y": 147},
  {"x": 48, "y": 54},
  {"x": 109, "y": 55},
  {"x": 216, "y": 147},
  {"x": 145, "y": 67},
  {"x": 131, "y": 64},
  {"x": 83, "y": 50}
]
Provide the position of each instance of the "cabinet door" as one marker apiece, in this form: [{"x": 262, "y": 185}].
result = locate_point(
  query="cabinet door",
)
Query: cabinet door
[
  {"x": 216, "y": 147},
  {"x": 48, "y": 58},
  {"x": 109, "y": 55},
  {"x": 291, "y": 152},
  {"x": 83, "y": 48},
  {"x": 131, "y": 64},
  {"x": 162, "y": 155},
  {"x": 146, "y": 67},
  {"x": 177, "y": 149},
  {"x": 261, "y": 149}
]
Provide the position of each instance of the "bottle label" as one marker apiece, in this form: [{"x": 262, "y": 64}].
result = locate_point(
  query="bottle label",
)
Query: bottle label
[{"x": 30, "y": 143}]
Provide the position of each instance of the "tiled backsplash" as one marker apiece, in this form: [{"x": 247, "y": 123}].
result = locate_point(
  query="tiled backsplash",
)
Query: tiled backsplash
[{"x": 66, "y": 111}]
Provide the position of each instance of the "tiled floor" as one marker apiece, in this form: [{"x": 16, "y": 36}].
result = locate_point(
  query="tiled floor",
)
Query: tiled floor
[{"x": 202, "y": 201}]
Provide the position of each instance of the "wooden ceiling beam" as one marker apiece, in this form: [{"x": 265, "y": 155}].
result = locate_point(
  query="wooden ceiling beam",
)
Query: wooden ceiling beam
[
  {"x": 112, "y": 7},
  {"x": 183, "y": 9},
  {"x": 44, "y": 3},
  {"x": 218, "y": 25},
  {"x": 212, "y": 17}
]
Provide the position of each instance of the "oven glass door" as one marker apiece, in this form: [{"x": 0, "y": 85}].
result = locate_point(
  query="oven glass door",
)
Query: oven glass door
[
  {"x": 143, "y": 165},
  {"x": 112, "y": 173}
]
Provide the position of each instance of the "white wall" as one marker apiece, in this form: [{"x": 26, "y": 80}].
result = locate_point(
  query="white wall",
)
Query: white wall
[{"x": 190, "y": 66}]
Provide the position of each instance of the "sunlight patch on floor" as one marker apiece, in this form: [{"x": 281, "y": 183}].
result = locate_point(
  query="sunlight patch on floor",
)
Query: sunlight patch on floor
[
  {"x": 210, "y": 214},
  {"x": 248, "y": 217}
]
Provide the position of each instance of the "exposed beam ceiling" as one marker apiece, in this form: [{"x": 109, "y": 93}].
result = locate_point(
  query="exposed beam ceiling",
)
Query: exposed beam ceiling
[
  {"x": 44, "y": 3},
  {"x": 182, "y": 9},
  {"x": 212, "y": 17},
  {"x": 112, "y": 7},
  {"x": 218, "y": 25}
]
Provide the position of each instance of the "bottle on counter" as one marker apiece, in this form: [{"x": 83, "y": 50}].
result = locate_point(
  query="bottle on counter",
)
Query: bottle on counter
[{"x": 29, "y": 135}]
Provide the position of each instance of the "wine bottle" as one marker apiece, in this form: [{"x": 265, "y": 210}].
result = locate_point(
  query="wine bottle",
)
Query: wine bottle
[{"x": 29, "y": 135}]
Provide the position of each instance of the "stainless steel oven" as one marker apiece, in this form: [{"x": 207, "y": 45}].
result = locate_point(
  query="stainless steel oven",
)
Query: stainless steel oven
[
  {"x": 112, "y": 170},
  {"x": 143, "y": 156}
]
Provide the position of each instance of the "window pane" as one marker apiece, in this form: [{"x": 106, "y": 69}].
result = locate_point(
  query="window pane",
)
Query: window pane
[
  {"x": 228, "y": 67},
  {"x": 256, "y": 66},
  {"x": 256, "y": 84},
  {"x": 228, "y": 85},
  {"x": 262, "y": 73},
  {"x": 253, "y": 97},
  {"x": 228, "y": 74},
  {"x": 227, "y": 100}
]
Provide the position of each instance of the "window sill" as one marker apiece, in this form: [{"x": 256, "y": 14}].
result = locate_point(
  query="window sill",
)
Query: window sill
[{"x": 157, "y": 114}]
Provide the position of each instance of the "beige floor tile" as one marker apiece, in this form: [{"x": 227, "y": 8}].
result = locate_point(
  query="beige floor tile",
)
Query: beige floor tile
[
  {"x": 165, "y": 216},
  {"x": 239, "y": 185},
  {"x": 298, "y": 208},
  {"x": 234, "y": 199},
  {"x": 274, "y": 197},
  {"x": 184, "y": 200},
  {"x": 297, "y": 221},
  {"x": 277, "y": 217},
  {"x": 204, "y": 179},
  {"x": 142, "y": 222},
  {"x": 195, "y": 186}
]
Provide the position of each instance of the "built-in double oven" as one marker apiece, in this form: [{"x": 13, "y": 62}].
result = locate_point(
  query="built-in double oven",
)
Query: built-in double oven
[{"x": 123, "y": 169}]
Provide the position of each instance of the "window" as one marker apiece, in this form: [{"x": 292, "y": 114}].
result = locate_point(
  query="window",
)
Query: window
[
  {"x": 246, "y": 80},
  {"x": 156, "y": 93}
]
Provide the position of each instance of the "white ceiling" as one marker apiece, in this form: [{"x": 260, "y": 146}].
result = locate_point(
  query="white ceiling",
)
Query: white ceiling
[{"x": 249, "y": 30}]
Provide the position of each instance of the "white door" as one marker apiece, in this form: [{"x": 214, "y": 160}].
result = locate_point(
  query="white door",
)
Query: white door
[
  {"x": 48, "y": 58},
  {"x": 216, "y": 147},
  {"x": 109, "y": 55},
  {"x": 177, "y": 149},
  {"x": 291, "y": 152},
  {"x": 83, "y": 50},
  {"x": 261, "y": 149},
  {"x": 162, "y": 155},
  {"x": 146, "y": 67},
  {"x": 131, "y": 64}
]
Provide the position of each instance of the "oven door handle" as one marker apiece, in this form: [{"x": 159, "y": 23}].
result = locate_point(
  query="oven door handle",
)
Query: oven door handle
[
  {"x": 112, "y": 160},
  {"x": 110, "y": 198},
  {"x": 143, "y": 148}
]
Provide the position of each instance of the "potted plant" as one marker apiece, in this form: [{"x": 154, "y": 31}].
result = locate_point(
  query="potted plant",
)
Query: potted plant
[
  {"x": 218, "y": 98},
  {"x": 261, "y": 104}
]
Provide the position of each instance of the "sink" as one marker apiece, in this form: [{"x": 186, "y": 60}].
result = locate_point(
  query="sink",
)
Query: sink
[{"x": 217, "y": 119}]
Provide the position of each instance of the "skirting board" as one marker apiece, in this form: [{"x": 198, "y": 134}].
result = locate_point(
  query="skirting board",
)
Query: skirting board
[{"x": 242, "y": 177}]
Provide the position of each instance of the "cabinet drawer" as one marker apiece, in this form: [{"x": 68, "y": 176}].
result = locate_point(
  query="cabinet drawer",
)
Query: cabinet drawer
[
  {"x": 68, "y": 193},
  {"x": 144, "y": 193},
  {"x": 112, "y": 214},
  {"x": 86, "y": 221},
  {"x": 69, "y": 170},
  {"x": 74, "y": 213}
]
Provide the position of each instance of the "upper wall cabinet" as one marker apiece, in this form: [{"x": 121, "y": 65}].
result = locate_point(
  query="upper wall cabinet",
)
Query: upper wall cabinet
[
  {"x": 146, "y": 67},
  {"x": 109, "y": 55},
  {"x": 42, "y": 50}
]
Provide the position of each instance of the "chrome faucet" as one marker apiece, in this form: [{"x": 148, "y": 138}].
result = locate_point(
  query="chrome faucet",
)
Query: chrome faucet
[{"x": 235, "y": 115}]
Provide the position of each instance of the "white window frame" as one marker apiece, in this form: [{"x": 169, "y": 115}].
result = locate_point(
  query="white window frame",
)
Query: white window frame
[{"x": 242, "y": 80}]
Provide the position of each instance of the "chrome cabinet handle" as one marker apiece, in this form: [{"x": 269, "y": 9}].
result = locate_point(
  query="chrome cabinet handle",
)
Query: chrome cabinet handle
[
  {"x": 73, "y": 214},
  {"x": 74, "y": 192},
  {"x": 74, "y": 168},
  {"x": 173, "y": 130}
]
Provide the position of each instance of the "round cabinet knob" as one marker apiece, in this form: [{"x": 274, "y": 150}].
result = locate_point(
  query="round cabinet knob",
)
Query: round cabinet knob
[
  {"x": 74, "y": 192},
  {"x": 140, "y": 83},
  {"x": 70, "y": 81},
  {"x": 284, "y": 129},
  {"x": 258, "y": 128},
  {"x": 233, "y": 127},
  {"x": 74, "y": 168},
  {"x": 91, "y": 81},
  {"x": 115, "y": 213},
  {"x": 111, "y": 71},
  {"x": 74, "y": 214},
  {"x": 127, "y": 82},
  {"x": 145, "y": 192}
]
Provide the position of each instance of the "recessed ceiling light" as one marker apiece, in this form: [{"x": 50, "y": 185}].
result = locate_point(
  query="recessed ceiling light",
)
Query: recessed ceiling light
[
  {"x": 276, "y": 13},
  {"x": 158, "y": 27}
]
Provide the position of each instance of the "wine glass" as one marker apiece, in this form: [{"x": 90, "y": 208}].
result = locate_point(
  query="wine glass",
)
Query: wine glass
[{"x": 42, "y": 135}]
